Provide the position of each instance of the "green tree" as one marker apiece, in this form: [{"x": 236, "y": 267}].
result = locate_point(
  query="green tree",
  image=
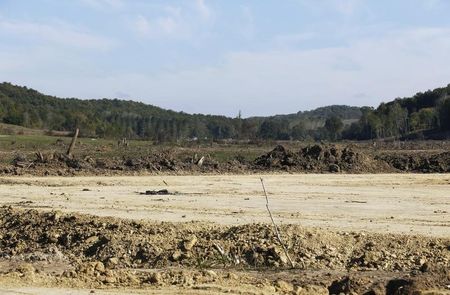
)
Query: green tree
[
  {"x": 444, "y": 114},
  {"x": 299, "y": 131},
  {"x": 423, "y": 119},
  {"x": 334, "y": 126}
]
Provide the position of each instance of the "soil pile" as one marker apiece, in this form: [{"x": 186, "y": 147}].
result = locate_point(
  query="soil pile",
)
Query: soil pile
[
  {"x": 317, "y": 158},
  {"x": 100, "y": 251},
  {"x": 424, "y": 163},
  {"x": 321, "y": 158},
  {"x": 60, "y": 164}
]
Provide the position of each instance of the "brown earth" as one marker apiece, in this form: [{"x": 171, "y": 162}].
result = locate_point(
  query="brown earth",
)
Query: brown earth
[
  {"x": 381, "y": 203},
  {"x": 67, "y": 250},
  {"x": 322, "y": 158},
  {"x": 418, "y": 162},
  {"x": 317, "y": 158},
  {"x": 347, "y": 232}
]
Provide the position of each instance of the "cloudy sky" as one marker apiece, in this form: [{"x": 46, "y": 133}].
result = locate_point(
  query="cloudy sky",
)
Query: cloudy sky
[{"x": 221, "y": 56}]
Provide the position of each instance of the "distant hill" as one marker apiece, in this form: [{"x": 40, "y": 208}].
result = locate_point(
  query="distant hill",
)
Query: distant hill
[
  {"x": 424, "y": 115},
  {"x": 316, "y": 118},
  {"x": 119, "y": 118},
  {"x": 420, "y": 115}
]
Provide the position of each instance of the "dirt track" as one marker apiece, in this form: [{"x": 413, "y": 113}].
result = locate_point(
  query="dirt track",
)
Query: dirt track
[{"x": 385, "y": 203}]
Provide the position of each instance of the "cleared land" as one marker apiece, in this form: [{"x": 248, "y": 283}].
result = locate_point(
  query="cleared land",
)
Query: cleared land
[
  {"x": 95, "y": 223},
  {"x": 384, "y": 203},
  {"x": 383, "y": 233}
]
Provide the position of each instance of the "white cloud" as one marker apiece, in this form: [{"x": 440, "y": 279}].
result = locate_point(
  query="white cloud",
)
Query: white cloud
[
  {"x": 60, "y": 34},
  {"x": 347, "y": 7},
  {"x": 167, "y": 24},
  {"x": 142, "y": 25},
  {"x": 174, "y": 21},
  {"x": 365, "y": 72},
  {"x": 204, "y": 11},
  {"x": 159, "y": 27},
  {"x": 171, "y": 25}
]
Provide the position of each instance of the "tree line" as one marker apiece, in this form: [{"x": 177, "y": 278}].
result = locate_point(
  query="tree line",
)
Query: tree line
[
  {"x": 112, "y": 118},
  {"x": 425, "y": 111}
]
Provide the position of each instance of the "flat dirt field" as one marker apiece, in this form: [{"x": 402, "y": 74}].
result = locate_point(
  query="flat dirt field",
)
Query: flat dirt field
[
  {"x": 384, "y": 203},
  {"x": 346, "y": 233}
]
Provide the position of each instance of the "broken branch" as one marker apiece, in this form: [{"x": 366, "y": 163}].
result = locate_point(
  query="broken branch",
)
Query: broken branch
[{"x": 277, "y": 232}]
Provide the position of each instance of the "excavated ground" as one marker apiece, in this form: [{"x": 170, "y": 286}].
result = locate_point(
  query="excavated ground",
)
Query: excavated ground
[
  {"x": 316, "y": 158},
  {"x": 348, "y": 233},
  {"x": 48, "y": 249}
]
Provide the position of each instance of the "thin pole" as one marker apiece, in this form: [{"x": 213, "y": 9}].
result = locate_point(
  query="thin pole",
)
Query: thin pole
[{"x": 277, "y": 232}]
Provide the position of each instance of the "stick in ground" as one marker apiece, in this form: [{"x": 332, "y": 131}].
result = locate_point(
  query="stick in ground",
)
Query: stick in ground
[{"x": 277, "y": 232}]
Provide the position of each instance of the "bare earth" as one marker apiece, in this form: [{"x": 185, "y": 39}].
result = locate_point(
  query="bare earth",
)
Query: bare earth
[
  {"x": 384, "y": 203},
  {"x": 332, "y": 209}
]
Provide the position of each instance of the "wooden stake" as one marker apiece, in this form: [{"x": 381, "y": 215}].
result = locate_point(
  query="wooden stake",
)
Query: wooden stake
[{"x": 72, "y": 144}]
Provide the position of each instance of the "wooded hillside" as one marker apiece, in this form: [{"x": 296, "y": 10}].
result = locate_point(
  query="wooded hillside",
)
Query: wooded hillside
[{"x": 119, "y": 118}]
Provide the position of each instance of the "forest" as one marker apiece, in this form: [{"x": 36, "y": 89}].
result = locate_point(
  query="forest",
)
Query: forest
[
  {"x": 113, "y": 118},
  {"x": 416, "y": 116}
]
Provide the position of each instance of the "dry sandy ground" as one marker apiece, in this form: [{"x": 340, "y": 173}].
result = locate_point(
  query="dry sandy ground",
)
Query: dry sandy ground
[
  {"x": 65, "y": 291},
  {"x": 396, "y": 203},
  {"x": 383, "y": 203}
]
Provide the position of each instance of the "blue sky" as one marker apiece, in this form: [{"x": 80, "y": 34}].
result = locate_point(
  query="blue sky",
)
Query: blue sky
[{"x": 209, "y": 56}]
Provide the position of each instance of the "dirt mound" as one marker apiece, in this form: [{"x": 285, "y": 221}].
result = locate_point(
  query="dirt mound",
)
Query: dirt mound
[
  {"x": 60, "y": 164},
  {"x": 163, "y": 161},
  {"x": 317, "y": 158},
  {"x": 103, "y": 251},
  {"x": 53, "y": 159},
  {"x": 320, "y": 158},
  {"x": 424, "y": 163}
]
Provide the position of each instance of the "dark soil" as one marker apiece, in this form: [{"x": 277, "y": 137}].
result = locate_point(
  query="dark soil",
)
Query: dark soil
[
  {"x": 418, "y": 162},
  {"x": 317, "y": 158},
  {"x": 321, "y": 158}
]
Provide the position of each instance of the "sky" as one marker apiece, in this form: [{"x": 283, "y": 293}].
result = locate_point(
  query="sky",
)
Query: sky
[{"x": 260, "y": 57}]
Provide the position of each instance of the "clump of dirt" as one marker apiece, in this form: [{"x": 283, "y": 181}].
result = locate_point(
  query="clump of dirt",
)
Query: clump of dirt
[
  {"x": 112, "y": 251},
  {"x": 321, "y": 158},
  {"x": 418, "y": 162},
  {"x": 155, "y": 162}
]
